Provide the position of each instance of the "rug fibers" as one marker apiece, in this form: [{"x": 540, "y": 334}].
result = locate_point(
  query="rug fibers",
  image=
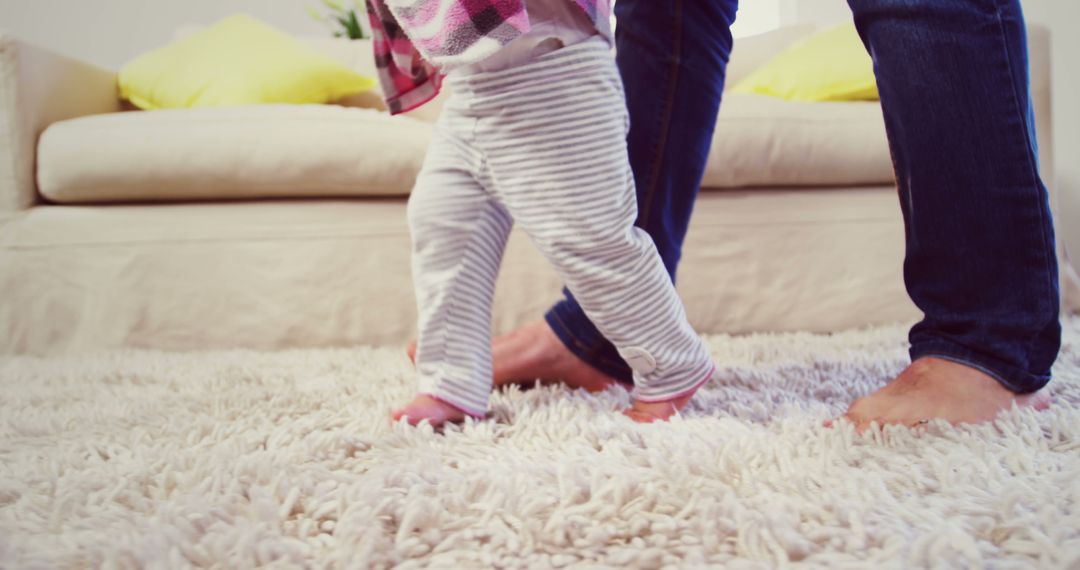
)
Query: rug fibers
[{"x": 239, "y": 459}]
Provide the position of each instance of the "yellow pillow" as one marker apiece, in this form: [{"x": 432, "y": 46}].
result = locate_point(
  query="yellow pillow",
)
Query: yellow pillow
[
  {"x": 829, "y": 66},
  {"x": 237, "y": 61}
]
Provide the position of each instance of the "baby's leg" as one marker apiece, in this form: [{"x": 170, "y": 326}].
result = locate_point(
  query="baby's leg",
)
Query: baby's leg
[
  {"x": 458, "y": 234},
  {"x": 559, "y": 163}
]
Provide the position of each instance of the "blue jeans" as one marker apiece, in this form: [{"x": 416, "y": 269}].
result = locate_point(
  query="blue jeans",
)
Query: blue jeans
[{"x": 953, "y": 79}]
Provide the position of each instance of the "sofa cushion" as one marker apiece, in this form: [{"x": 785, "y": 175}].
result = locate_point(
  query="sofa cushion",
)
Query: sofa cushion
[
  {"x": 238, "y": 61},
  {"x": 751, "y": 52},
  {"x": 228, "y": 153},
  {"x": 763, "y": 141},
  {"x": 357, "y": 55},
  {"x": 831, "y": 65},
  {"x": 301, "y": 151}
]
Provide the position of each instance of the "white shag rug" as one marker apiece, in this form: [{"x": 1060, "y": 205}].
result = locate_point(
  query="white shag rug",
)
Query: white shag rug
[{"x": 241, "y": 459}]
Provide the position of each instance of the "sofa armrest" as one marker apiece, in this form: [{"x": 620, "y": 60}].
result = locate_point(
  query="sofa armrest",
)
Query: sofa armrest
[{"x": 38, "y": 88}]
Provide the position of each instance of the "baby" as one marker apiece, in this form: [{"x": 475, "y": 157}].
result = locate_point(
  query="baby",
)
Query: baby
[{"x": 533, "y": 133}]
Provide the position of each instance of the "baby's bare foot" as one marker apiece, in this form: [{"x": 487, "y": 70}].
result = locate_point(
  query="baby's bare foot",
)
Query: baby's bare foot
[
  {"x": 424, "y": 407},
  {"x": 648, "y": 412}
]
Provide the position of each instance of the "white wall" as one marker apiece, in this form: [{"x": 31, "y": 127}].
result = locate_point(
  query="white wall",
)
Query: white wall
[
  {"x": 756, "y": 17},
  {"x": 111, "y": 32},
  {"x": 822, "y": 12}
]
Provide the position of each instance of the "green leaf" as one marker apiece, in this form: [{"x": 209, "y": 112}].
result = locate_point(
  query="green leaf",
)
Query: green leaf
[
  {"x": 334, "y": 5},
  {"x": 315, "y": 14},
  {"x": 355, "y": 31}
]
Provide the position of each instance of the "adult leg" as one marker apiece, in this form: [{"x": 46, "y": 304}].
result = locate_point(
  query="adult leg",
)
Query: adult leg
[
  {"x": 980, "y": 261},
  {"x": 672, "y": 56}
]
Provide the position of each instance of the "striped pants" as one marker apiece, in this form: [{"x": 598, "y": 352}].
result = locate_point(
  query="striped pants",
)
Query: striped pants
[{"x": 542, "y": 145}]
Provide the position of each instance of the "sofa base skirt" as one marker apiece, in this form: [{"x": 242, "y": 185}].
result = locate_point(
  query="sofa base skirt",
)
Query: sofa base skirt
[{"x": 281, "y": 274}]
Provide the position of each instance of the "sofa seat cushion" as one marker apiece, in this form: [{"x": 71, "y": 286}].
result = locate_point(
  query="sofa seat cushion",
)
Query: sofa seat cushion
[
  {"x": 764, "y": 141},
  {"x": 272, "y": 151},
  {"x": 285, "y": 151}
]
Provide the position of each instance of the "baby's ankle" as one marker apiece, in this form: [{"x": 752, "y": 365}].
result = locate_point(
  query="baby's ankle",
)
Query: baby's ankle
[{"x": 649, "y": 410}]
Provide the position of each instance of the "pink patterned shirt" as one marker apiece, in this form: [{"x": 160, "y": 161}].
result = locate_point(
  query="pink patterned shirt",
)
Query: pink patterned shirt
[{"x": 417, "y": 41}]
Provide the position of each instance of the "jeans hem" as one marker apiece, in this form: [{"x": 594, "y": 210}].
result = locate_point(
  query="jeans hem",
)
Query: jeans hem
[
  {"x": 1013, "y": 379},
  {"x": 587, "y": 351}
]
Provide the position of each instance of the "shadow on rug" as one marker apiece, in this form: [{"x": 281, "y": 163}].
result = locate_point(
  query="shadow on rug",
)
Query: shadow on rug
[{"x": 239, "y": 459}]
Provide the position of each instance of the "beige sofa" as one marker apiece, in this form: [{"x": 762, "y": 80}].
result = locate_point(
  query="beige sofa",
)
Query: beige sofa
[{"x": 277, "y": 226}]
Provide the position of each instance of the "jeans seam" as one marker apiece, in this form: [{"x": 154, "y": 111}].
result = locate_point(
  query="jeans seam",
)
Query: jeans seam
[
  {"x": 1032, "y": 170},
  {"x": 645, "y": 205}
]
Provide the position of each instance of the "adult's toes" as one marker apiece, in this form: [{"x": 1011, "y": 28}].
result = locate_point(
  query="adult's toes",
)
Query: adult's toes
[
  {"x": 860, "y": 422},
  {"x": 1040, "y": 401}
]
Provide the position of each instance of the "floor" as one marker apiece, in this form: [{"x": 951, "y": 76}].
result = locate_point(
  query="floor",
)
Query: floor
[{"x": 239, "y": 459}]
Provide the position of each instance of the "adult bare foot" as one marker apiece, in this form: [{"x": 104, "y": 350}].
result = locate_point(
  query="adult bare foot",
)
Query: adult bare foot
[
  {"x": 649, "y": 412},
  {"x": 533, "y": 352},
  {"x": 423, "y": 407},
  {"x": 934, "y": 388}
]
